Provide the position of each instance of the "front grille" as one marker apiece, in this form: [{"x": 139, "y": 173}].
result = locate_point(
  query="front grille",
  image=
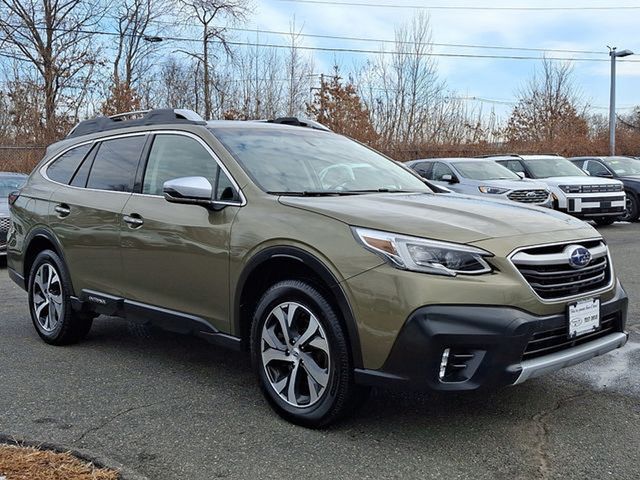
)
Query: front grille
[
  {"x": 552, "y": 277},
  {"x": 600, "y": 188},
  {"x": 4, "y": 228},
  {"x": 529, "y": 196},
  {"x": 554, "y": 340}
]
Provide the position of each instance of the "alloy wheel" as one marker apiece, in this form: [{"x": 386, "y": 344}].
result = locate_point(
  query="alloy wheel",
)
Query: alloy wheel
[
  {"x": 47, "y": 297},
  {"x": 295, "y": 354}
]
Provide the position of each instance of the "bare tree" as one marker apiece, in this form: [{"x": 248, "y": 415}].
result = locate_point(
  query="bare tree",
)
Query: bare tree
[
  {"x": 53, "y": 38},
  {"x": 299, "y": 72},
  {"x": 206, "y": 12},
  {"x": 549, "y": 111}
]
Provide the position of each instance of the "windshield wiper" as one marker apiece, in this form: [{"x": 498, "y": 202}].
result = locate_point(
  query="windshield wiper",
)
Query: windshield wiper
[{"x": 315, "y": 193}]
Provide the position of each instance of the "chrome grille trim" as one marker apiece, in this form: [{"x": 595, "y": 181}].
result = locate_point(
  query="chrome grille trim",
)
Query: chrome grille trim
[
  {"x": 529, "y": 196},
  {"x": 552, "y": 279}
]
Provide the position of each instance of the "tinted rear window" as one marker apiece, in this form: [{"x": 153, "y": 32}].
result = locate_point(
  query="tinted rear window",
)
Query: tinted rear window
[
  {"x": 62, "y": 169},
  {"x": 115, "y": 165}
]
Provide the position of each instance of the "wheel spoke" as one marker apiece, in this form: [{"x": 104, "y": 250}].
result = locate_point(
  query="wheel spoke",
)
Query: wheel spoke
[
  {"x": 272, "y": 354},
  {"x": 320, "y": 343},
  {"x": 280, "y": 315},
  {"x": 281, "y": 384},
  {"x": 41, "y": 307},
  {"x": 291, "y": 391},
  {"x": 312, "y": 328},
  {"x": 269, "y": 337},
  {"x": 320, "y": 375},
  {"x": 313, "y": 393}
]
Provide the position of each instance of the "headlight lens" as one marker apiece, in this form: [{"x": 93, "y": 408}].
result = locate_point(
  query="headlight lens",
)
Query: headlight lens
[
  {"x": 493, "y": 190},
  {"x": 422, "y": 255}
]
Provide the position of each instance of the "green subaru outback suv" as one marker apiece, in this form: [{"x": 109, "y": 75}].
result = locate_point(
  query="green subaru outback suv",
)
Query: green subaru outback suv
[{"x": 335, "y": 267}]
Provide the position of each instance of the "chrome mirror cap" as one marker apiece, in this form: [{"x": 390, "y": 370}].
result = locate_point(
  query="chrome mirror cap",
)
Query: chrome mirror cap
[{"x": 188, "y": 190}]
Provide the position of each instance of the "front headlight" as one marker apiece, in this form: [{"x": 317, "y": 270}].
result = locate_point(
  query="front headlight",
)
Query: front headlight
[
  {"x": 493, "y": 190},
  {"x": 422, "y": 255}
]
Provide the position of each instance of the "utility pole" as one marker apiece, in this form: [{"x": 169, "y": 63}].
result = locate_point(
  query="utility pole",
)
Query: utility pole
[{"x": 613, "y": 53}]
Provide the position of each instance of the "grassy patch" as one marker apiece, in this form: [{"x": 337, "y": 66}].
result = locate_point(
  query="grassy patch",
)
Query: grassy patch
[{"x": 26, "y": 463}]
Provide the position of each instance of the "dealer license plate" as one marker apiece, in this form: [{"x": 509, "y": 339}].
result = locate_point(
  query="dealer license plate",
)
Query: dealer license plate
[{"x": 584, "y": 317}]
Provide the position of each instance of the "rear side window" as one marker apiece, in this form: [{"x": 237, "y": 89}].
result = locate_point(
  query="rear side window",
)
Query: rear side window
[
  {"x": 63, "y": 168},
  {"x": 115, "y": 165},
  {"x": 176, "y": 156}
]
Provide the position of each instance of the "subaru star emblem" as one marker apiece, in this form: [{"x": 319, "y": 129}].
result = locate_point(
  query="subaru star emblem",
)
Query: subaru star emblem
[{"x": 579, "y": 257}]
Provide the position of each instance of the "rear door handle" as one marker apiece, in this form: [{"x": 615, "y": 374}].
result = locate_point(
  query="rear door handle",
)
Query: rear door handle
[
  {"x": 134, "y": 220},
  {"x": 62, "y": 210}
]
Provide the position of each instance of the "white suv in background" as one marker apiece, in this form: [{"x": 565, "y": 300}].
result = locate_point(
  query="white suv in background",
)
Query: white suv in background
[{"x": 572, "y": 189}]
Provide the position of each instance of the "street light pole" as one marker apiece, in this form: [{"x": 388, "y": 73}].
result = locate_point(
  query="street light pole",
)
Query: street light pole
[{"x": 613, "y": 53}]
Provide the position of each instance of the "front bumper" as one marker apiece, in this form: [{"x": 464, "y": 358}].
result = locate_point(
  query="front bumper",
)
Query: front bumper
[
  {"x": 487, "y": 346},
  {"x": 596, "y": 205}
]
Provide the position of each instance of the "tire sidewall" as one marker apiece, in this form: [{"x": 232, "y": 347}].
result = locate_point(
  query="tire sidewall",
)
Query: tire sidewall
[
  {"x": 314, "y": 301},
  {"x": 633, "y": 214},
  {"x": 44, "y": 257}
]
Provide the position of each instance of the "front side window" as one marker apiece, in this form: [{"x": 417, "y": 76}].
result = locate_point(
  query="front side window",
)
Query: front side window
[
  {"x": 597, "y": 169},
  {"x": 176, "y": 156},
  {"x": 553, "y": 167},
  {"x": 439, "y": 171},
  {"x": 481, "y": 170},
  {"x": 513, "y": 165},
  {"x": 63, "y": 168},
  {"x": 114, "y": 167},
  {"x": 300, "y": 160}
]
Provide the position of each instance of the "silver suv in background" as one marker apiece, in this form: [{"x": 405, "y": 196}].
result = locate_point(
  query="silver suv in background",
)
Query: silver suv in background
[
  {"x": 472, "y": 176},
  {"x": 9, "y": 183},
  {"x": 573, "y": 191}
]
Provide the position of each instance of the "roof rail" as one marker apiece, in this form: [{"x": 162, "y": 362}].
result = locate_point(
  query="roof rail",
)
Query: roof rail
[
  {"x": 490, "y": 155},
  {"x": 147, "y": 117},
  {"x": 298, "y": 123}
]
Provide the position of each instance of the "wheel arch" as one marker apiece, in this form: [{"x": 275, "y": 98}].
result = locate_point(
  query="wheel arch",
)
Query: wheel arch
[
  {"x": 285, "y": 262},
  {"x": 37, "y": 240}
]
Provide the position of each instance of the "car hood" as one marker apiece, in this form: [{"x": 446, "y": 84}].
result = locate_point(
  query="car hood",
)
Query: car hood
[
  {"x": 456, "y": 218},
  {"x": 586, "y": 180}
]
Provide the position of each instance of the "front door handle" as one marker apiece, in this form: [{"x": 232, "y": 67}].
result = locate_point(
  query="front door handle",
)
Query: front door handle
[
  {"x": 134, "y": 220},
  {"x": 62, "y": 210}
]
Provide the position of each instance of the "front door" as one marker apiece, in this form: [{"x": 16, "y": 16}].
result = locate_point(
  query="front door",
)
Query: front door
[{"x": 176, "y": 256}]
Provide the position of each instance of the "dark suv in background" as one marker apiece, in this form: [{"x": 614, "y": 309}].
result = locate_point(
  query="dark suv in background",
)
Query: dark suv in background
[{"x": 625, "y": 169}]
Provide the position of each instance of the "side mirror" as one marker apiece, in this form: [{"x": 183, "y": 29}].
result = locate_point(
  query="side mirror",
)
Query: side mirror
[
  {"x": 190, "y": 190},
  {"x": 448, "y": 178},
  {"x": 521, "y": 174}
]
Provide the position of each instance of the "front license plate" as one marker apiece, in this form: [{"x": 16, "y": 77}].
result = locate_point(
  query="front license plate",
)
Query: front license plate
[{"x": 584, "y": 317}]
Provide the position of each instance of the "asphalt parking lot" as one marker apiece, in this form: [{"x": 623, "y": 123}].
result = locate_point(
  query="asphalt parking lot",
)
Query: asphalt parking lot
[{"x": 174, "y": 407}]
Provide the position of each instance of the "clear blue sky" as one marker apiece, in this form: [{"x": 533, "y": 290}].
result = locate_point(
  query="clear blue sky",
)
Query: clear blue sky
[{"x": 486, "y": 78}]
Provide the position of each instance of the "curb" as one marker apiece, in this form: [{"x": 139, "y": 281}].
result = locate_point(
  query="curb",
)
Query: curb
[{"x": 85, "y": 455}]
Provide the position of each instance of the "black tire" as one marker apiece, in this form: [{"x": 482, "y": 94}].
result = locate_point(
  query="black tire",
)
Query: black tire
[
  {"x": 340, "y": 395},
  {"x": 604, "y": 221},
  {"x": 633, "y": 209},
  {"x": 64, "y": 325}
]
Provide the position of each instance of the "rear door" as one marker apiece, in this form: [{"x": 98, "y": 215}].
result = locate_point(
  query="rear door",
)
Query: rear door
[
  {"x": 176, "y": 256},
  {"x": 86, "y": 210}
]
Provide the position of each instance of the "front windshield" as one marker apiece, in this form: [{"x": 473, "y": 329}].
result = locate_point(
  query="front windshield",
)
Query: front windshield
[
  {"x": 484, "y": 170},
  {"x": 553, "y": 167},
  {"x": 301, "y": 160},
  {"x": 623, "y": 166},
  {"x": 10, "y": 184}
]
